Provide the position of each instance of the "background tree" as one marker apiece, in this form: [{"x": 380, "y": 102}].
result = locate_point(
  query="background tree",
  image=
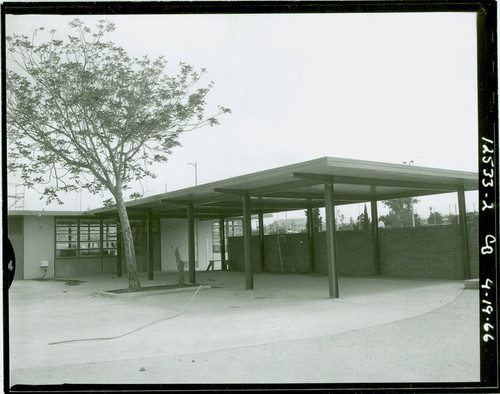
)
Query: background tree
[
  {"x": 400, "y": 212},
  {"x": 351, "y": 225},
  {"x": 317, "y": 220},
  {"x": 472, "y": 218},
  {"x": 364, "y": 220},
  {"x": 435, "y": 218},
  {"x": 81, "y": 113},
  {"x": 451, "y": 219}
]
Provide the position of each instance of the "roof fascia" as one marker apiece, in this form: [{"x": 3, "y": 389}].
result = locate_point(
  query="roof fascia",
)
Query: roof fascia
[
  {"x": 348, "y": 180},
  {"x": 262, "y": 191}
]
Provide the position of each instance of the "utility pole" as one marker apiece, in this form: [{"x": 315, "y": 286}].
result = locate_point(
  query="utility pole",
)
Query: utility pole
[
  {"x": 195, "y": 165},
  {"x": 411, "y": 163}
]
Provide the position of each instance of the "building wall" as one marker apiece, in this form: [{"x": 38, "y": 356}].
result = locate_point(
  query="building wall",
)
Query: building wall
[
  {"x": 157, "y": 251},
  {"x": 204, "y": 243},
  {"x": 70, "y": 267},
  {"x": 109, "y": 265},
  {"x": 38, "y": 246},
  {"x": 140, "y": 261},
  {"x": 67, "y": 267},
  {"x": 430, "y": 252},
  {"x": 174, "y": 233}
]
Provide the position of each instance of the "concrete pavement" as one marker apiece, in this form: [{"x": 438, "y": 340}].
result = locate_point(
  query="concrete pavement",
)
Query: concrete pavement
[{"x": 286, "y": 330}]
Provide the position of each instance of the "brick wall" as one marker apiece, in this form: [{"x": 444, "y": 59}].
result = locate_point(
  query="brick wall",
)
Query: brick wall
[
  {"x": 422, "y": 252},
  {"x": 294, "y": 256},
  {"x": 473, "y": 230},
  {"x": 354, "y": 253},
  {"x": 236, "y": 255},
  {"x": 294, "y": 253},
  {"x": 427, "y": 252}
]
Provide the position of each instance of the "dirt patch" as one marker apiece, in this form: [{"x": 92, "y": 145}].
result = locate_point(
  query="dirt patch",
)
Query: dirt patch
[
  {"x": 68, "y": 282},
  {"x": 151, "y": 288}
]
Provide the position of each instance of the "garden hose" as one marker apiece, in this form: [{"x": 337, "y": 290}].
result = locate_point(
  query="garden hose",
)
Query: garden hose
[{"x": 137, "y": 329}]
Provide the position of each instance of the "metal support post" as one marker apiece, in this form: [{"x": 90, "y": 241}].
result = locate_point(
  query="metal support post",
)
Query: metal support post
[
  {"x": 310, "y": 233},
  {"x": 376, "y": 241},
  {"x": 331, "y": 241},
  {"x": 262, "y": 249},
  {"x": 247, "y": 241},
  {"x": 464, "y": 234},
  {"x": 150, "y": 244},
  {"x": 191, "y": 246},
  {"x": 222, "y": 237}
]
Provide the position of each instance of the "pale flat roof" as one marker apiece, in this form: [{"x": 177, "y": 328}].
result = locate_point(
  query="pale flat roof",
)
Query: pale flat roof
[
  {"x": 300, "y": 185},
  {"x": 26, "y": 212}
]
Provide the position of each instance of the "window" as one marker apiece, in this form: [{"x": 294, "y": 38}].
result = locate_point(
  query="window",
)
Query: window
[
  {"x": 233, "y": 227},
  {"x": 90, "y": 237},
  {"x": 66, "y": 237},
  {"x": 215, "y": 236},
  {"x": 77, "y": 237},
  {"x": 109, "y": 237}
]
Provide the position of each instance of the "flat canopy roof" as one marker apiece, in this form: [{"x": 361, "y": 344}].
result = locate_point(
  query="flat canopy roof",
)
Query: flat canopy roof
[
  {"x": 301, "y": 185},
  {"x": 15, "y": 212}
]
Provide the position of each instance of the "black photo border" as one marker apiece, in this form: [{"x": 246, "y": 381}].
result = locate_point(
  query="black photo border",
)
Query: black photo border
[{"x": 487, "y": 45}]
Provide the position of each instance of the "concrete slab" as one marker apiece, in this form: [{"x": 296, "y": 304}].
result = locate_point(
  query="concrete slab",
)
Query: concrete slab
[
  {"x": 472, "y": 284},
  {"x": 282, "y": 309}
]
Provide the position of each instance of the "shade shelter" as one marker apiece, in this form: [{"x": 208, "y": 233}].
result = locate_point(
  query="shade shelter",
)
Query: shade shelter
[{"x": 325, "y": 182}]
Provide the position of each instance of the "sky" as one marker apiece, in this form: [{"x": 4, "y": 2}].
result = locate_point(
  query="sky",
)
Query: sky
[{"x": 392, "y": 88}]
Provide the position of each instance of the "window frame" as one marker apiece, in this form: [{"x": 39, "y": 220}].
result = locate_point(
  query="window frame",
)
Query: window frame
[
  {"x": 78, "y": 241},
  {"x": 216, "y": 240},
  {"x": 106, "y": 239},
  {"x": 70, "y": 241},
  {"x": 233, "y": 227},
  {"x": 89, "y": 227}
]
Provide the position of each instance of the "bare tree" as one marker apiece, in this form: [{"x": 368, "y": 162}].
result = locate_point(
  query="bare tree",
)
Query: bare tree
[{"x": 81, "y": 113}]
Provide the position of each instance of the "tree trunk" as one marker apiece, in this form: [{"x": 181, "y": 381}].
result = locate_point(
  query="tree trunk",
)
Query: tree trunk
[{"x": 128, "y": 244}]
